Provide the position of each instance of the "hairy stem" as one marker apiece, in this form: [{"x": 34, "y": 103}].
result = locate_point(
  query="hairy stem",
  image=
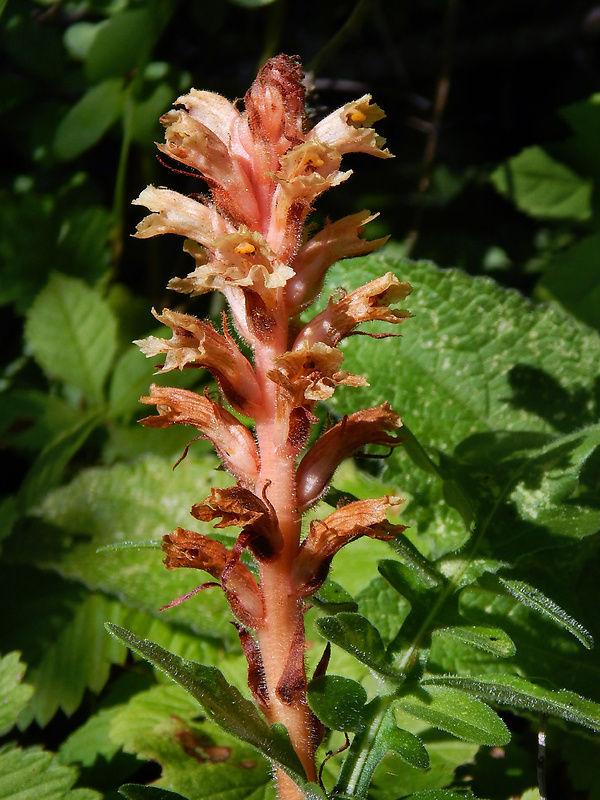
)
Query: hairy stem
[{"x": 282, "y": 639}]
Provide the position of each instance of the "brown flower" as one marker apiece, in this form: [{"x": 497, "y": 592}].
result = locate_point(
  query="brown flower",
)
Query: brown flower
[
  {"x": 196, "y": 343},
  {"x": 311, "y": 373},
  {"x": 365, "y": 304},
  {"x": 185, "y": 548},
  {"x": 354, "y": 431},
  {"x": 326, "y": 537},
  {"x": 233, "y": 442}
]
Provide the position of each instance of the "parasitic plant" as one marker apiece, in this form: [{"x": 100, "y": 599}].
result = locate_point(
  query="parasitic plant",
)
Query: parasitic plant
[{"x": 265, "y": 168}]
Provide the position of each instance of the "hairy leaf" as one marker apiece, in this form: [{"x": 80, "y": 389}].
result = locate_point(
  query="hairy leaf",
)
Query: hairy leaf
[
  {"x": 491, "y": 640},
  {"x": 131, "y": 503},
  {"x": 533, "y": 598},
  {"x": 338, "y": 702},
  {"x": 453, "y": 711},
  {"x": 197, "y": 758},
  {"x": 516, "y": 692},
  {"x": 355, "y": 634},
  {"x": 222, "y": 702}
]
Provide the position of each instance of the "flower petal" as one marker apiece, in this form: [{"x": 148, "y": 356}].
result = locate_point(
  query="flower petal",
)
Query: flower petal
[
  {"x": 338, "y": 443},
  {"x": 309, "y": 374},
  {"x": 233, "y": 442},
  {"x": 348, "y": 129},
  {"x": 326, "y": 537},
  {"x": 366, "y": 304},
  {"x": 197, "y": 343},
  {"x": 337, "y": 240},
  {"x": 241, "y": 508},
  {"x": 176, "y": 213},
  {"x": 184, "y": 548}
]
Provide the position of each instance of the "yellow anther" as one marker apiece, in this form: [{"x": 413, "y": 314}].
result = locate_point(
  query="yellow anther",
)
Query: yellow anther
[
  {"x": 315, "y": 162},
  {"x": 245, "y": 248},
  {"x": 357, "y": 116}
]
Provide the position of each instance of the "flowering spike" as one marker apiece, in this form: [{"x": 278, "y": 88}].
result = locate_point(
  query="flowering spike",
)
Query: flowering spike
[{"x": 265, "y": 169}]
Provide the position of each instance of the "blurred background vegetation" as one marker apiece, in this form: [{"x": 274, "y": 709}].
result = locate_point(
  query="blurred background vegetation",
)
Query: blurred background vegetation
[{"x": 493, "y": 113}]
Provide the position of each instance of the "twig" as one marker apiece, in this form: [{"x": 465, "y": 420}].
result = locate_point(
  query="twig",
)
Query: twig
[
  {"x": 439, "y": 106},
  {"x": 345, "y": 33}
]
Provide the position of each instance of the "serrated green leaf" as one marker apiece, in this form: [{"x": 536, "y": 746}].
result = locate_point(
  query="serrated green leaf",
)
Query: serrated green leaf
[
  {"x": 15, "y": 695},
  {"x": 131, "y": 503},
  {"x": 453, "y": 711},
  {"x": 72, "y": 334},
  {"x": 516, "y": 692},
  {"x": 338, "y": 702},
  {"x": 163, "y": 724},
  {"x": 222, "y": 702},
  {"x": 86, "y": 122},
  {"x": 543, "y": 187},
  {"x": 490, "y": 640},
  {"x": 533, "y": 598},
  {"x": 33, "y": 774},
  {"x": 355, "y": 634}
]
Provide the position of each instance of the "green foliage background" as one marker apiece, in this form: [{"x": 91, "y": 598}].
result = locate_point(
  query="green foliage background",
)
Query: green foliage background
[{"x": 499, "y": 395}]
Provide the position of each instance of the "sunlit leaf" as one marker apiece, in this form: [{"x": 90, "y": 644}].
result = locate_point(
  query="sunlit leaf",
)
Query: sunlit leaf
[
  {"x": 338, "y": 702},
  {"x": 543, "y": 187},
  {"x": 451, "y": 710},
  {"x": 14, "y": 694},
  {"x": 32, "y": 774},
  {"x": 516, "y": 692},
  {"x": 491, "y": 640}
]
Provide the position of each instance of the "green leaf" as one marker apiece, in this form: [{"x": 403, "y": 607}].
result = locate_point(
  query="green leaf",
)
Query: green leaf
[
  {"x": 222, "y": 702},
  {"x": 543, "y": 187},
  {"x": 451, "y": 710},
  {"x": 572, "y": 279},
  {"x": 197, "y": 758},
  {"x": 478, "y": 360},
  {"x": 334, "y": 598},
  {"x": 356, "y": 635},
  {"x": 15, "y": 695},
  {"x": 48, "y": 468},
  {"x": 490, "y": 640},
  {"x": 516, "y": 692},
  {"x": 133, "y": 791},
  {"x": 86, "y": 122},
  {"x": 130, "y": 503},
  {"x": 33, "y": 774},
  {"x": 338, "y": 702},
  {"x": 125, "y": 41},
  {"x": 379, "y": 736},
  {"x": 72, "y": 334},
  {"x": 533, "y": 598}
]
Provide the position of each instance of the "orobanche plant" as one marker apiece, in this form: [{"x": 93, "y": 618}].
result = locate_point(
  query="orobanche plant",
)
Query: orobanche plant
[{"x": 248, "y": 237}]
